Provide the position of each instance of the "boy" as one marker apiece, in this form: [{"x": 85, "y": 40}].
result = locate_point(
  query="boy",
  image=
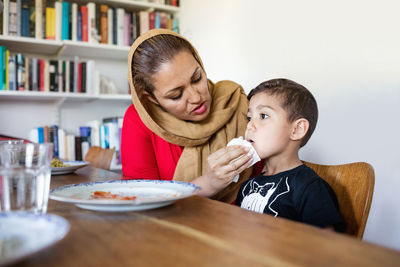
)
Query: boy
[{"x": 282, "y": 115}]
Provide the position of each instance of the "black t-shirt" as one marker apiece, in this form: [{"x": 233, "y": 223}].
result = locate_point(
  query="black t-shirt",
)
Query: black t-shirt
[{"x": 298, "y": 194}]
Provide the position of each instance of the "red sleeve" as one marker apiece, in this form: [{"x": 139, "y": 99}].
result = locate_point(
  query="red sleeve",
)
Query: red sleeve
[{"x": 137, "y": 152}]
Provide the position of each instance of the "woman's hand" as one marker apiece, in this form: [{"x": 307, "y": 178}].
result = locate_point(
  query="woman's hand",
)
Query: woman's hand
[{"x": 222, "y": 166}]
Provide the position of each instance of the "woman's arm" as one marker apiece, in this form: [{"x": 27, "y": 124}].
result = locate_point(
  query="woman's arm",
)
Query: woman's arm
[{"x": 222, "y": 166}]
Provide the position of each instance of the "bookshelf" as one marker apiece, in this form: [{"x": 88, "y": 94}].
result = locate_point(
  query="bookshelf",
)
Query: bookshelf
[{"x": 67, "y": 108}]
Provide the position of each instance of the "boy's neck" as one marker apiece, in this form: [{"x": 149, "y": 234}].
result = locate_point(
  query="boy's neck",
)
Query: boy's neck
[{"x": 281, "y": 163}]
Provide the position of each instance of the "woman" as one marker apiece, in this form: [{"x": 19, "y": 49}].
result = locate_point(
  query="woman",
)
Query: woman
[{"x": 180, "y": 122}]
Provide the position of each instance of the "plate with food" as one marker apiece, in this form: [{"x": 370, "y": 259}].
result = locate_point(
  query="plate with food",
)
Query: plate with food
[
  {"x": 23, "y": 234},
  {"x": 64, "y": 167},
  {"x": 124, "y": 195}
]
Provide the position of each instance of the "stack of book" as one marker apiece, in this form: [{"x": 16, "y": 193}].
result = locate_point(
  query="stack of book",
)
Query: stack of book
[
  {"x": 91, "y": 22},
  {"x": 70, "y": 147},
  {"x": 23, "y": 73}
]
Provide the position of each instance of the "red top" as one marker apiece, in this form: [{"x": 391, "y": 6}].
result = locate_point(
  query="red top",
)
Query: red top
[{"x": 144, "y": 154}]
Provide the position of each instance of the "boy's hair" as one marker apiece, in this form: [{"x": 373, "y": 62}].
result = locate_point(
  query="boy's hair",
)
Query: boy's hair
[{"x": 295, "y": 99}]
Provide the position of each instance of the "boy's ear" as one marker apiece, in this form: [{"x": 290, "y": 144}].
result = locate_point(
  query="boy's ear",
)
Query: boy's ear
[{"x": 299, "y": 129}]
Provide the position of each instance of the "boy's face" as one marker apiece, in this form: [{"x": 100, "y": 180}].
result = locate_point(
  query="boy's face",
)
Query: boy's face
[{"x": 268, "y": 128}]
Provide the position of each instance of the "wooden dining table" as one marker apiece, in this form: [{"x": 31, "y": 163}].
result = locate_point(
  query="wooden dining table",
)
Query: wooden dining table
[{"x": 195, "y": 231}]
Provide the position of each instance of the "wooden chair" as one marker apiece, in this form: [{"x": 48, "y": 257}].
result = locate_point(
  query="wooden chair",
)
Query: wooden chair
[
  {"x": 353, "y": 185},
  {"x": 100, "y": 157}
]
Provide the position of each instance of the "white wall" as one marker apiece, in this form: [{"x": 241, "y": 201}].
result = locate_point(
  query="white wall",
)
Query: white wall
[{"x": 346, "y": 52}]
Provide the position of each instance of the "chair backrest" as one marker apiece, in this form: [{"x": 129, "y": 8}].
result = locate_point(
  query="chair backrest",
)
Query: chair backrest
[
  {"x": 100, "y": 157},
  {"x": 353, "y": 184}
]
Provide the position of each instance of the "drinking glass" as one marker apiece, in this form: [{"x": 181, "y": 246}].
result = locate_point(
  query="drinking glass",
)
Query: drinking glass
[{"x": 25, "y": 171}]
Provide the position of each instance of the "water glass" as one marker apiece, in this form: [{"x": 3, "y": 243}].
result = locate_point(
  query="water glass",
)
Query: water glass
[{"x": 25, "y": 171}]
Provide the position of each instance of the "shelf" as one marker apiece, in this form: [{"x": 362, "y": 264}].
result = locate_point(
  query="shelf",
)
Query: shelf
[
  {"x": 93, "y": 50},
  {"x": 56, "y": 96},
  {"x": 31, "y": 45},
  {"x": 66, "y": 48},
  {"x": 141, "y": 5}
]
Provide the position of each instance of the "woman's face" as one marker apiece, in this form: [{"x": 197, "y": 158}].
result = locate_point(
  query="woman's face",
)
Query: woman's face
[{"x": 181, "y": 88}]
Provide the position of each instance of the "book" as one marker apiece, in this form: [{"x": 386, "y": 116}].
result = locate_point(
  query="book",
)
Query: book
[
  {"x": 110, "y": 26},
  {"x": 61, "y": 143},
  {"x": 65, "y": 21},
  {"x": 46, "y": 76},
  {"x": 143, "y": 22},
  {"x": 12, "y": 83},
  {"x": 104, "y": 23},
  {"x": 58, "y": 20},
  {"x": 32, "y": 19},
  {"x": 2, "y": 67},
  {"x": 78, "y": 148},
  {"x": 53, "y": 79},
  {"x": 50, "y": 23},
  {"x": 127, "y": 29},
  {"x": 120, "y": 26},
  {"x": 152, "y": 19},
  {"x": 92, "y": 31},
  {"x": 74, "y": 22},
  {"x": 94, "y": 132},
  {"x": 134, "y": 26},
  {"x": 83, "y": 77},
  {"x": 38, "y": 19},
  {"x": 70, "y": 147},
  {"x": 90, "y": 69},
  {"x": 20, "y": 60},
  {"x": 25, "y": 12},
  {"x": 84, "y": 12},
  {"x": 60, "y": 73},
  {"x": 12, "y": 19},
  {"x": 54, "y": 130},
  {"x": 40, "y": 135},
  {"x": 6, "y": 10},
  {"x": 18, "y": 17},
  {"x": 41, "y": 75},
  {"x": 7, "y": 56}
]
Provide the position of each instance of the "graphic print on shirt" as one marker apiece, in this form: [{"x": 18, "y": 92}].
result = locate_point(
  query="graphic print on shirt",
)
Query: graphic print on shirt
[{"x": 258, "y": 196}]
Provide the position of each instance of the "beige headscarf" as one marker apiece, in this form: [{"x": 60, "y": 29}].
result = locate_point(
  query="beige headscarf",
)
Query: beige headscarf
[{"x": 200, "y": 139}]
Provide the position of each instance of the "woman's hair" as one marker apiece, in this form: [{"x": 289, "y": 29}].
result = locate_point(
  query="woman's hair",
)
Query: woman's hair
[
  {"x": 151, "y": 54},
  {"x": 295, "y": 99}
]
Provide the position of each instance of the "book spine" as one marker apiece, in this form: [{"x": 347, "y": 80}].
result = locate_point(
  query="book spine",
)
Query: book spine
[
  {"x": 65, "y": 21},
  {"x": 2, "y": 67},
  {"x": 46, "y": 76},
  {"x": 84, "y": 11},
  {"x": 11, "y": 71},
  {"x": 92, "y": 32},
  {"x": 83, "y": 78},
  {"x": 127, "y": 29},
  {"x": 6, "y": 10},
  {"x": 7, "y": 70},
  {"x": 58, "y": 20},
  {"x": 25, "y": 10},
  {"x": 110, "y": 26},
  {"x": 56, "y": 141},
  {"x": 104, "y": 24},
  {"x": 60, "y": 76},
  {"x": 41, "y": 75},
  {"x": 12, "y": 19},
  {"x": 39, "y": 19},
  {"x": 18, "y": 17},
  {"x": 120, "y": 26},
  {"x": 74, "y": 22},
  {"x": 61, "y": 143}
]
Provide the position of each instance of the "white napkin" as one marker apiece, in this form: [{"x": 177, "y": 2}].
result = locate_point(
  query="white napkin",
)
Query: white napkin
[{"x": 241, "y": 142}]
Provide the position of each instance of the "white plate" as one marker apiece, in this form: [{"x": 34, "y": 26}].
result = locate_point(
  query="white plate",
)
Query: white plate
[
  {"x": 74, "y": 165},
  {"x": 149, "y": 194},
  {"x": 23, "y": 234}
]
